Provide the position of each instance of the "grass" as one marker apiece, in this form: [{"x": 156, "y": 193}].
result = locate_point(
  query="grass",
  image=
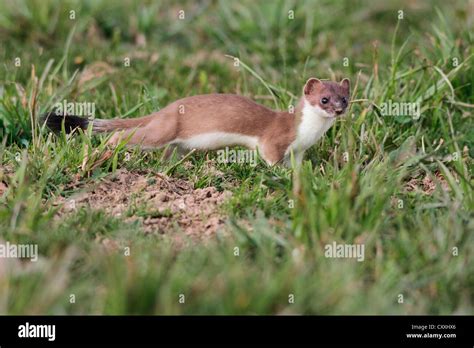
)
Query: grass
[{"x": 353, "y": 186}]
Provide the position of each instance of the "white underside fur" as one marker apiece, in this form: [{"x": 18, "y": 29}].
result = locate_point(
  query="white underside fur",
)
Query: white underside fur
[{"x": 217, "y": 140}]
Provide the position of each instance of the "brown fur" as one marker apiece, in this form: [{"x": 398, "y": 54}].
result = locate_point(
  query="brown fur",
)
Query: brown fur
[{"x": 204, "y": 114}]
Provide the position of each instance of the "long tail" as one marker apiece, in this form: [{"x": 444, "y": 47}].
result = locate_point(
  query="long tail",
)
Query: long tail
[{"x": 55, "y": 122}]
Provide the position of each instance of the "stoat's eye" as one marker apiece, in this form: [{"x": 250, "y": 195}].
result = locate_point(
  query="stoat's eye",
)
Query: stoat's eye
[
  {"x": 344, "y": 100},
  {"x": 325, "y": 100}
]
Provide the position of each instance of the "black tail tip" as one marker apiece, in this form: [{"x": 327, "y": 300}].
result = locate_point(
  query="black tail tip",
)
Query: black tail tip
[{"x": 55, "y": 121}]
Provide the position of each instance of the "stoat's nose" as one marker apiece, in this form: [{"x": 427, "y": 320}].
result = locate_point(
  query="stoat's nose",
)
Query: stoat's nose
[{"x": 338, "y": 108}]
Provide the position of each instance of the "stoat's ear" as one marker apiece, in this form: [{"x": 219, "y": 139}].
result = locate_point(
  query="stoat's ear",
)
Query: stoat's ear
[
  {"x": 311, "y": 85},
  {"x": 346, "y": 84}
]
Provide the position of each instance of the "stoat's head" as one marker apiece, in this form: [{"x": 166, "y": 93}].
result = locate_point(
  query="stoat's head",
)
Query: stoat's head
[{"x": 329, "y": 99}]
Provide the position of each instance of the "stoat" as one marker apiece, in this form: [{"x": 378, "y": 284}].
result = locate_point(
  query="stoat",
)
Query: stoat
[{"x": 213, "y": 121}]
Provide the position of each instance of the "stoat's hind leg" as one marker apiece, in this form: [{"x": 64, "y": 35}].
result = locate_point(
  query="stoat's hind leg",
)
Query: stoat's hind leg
[{"x": 173, "y": 148}]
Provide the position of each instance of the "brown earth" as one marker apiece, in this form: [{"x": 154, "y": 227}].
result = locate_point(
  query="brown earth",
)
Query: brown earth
[
  {"x": 3, "y": 187},
  {"x": 426, "y": 184},
  {"x": 5, "y": 173},
  {"x": 163, "y": 204}
]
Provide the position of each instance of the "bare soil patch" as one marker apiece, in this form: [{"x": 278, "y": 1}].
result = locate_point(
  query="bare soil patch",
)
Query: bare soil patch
[
  {"x": 163, "y": 204},
  {"x": 426, "y": 184},
  {"x": 5, "y": 174}
]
